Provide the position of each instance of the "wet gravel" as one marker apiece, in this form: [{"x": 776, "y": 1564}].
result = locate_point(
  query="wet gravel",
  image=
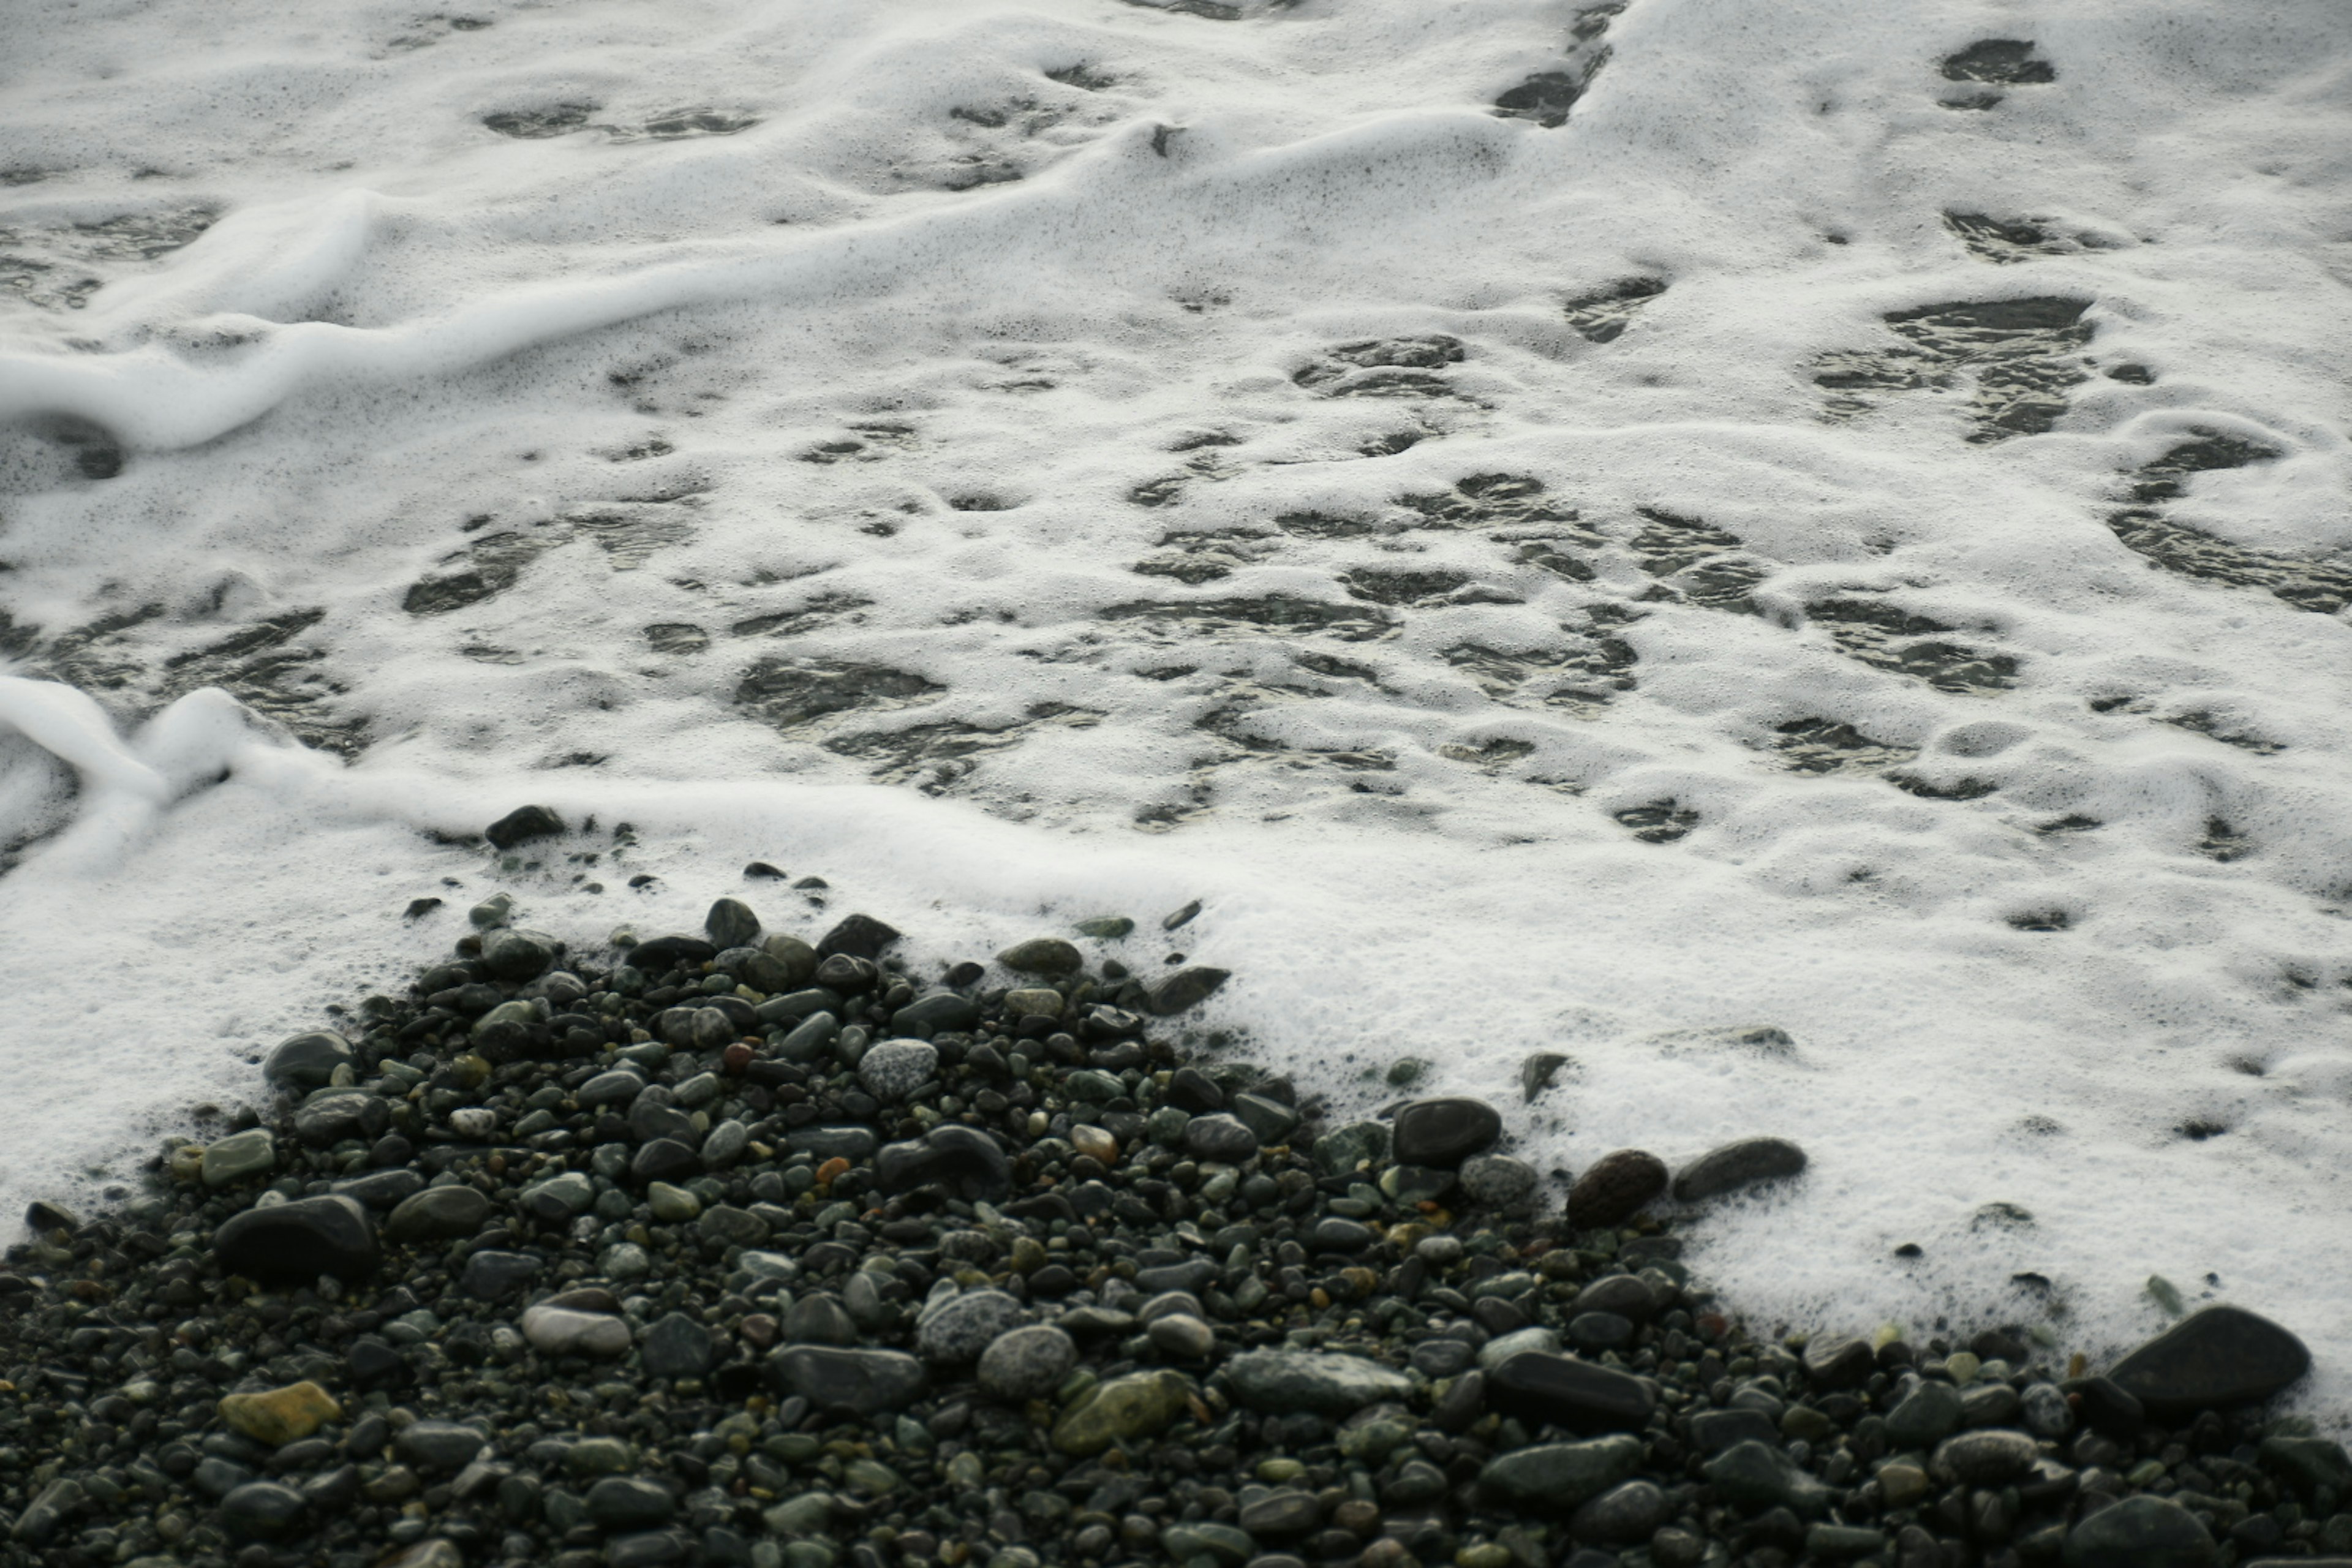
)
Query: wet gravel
[{"x": 762, "y": 1249}]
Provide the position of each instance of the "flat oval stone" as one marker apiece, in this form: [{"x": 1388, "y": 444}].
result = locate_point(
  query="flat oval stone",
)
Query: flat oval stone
[
  {"x": 1327, "y": 1385},
  {"x": 557, "y": 1199},
  {"x": 2219, "y": 1356},
  {"x": 294, "y": 1243},
  {"x": 491, "y": 1275},
  {"x": 1559, "y": 1478},
  {"x": 1626, "y": 1295},
  {"x": 1042, "y": 955},
  {"x": 893, "y": 1069},
  {"x": 308, "y": 1061},
  {"x": 439, "y": 1214},
  {"x": 1735, "y": 1165},
  {"x": 2141, "y": 1531},
  {"x": 1540, "y": 1386},
  {"x": 1220, "y": 1138},
  {"x": 1185, "y": 988},
  {"x": 331, "y": 1115},
  {"x": 433, "y": 1445},
  {"x": 515, "y": 956},
  {"x": 262, "y": 1511},
  {"x": 1617, "y": 1187},
  {"x": 965, "y": 1159},
  {"x": 251, "y": 1152},
  {"x": 1027, "y": 1363},
  {"x": 280, "y": 1415},
  {"x": 663, "y": 1160},
  {"x": 934, "y": 1011},
  {"x": 859, "y": 936},
  {"x": 667, "y": 953},
  {"x": 868, "y": 1381},
  {"x": 562, "y": 1331},
  {"x": 629, "y": 1502},
  {"x": 1124, "y": 1410},
  {"x": 1444, "y": 1132},
  {"x": 1760, "y": 1476},
  {"x": 961, "y": 1327},
  {"x": 1631, "y": 1511},
  {"x": 1924, "y": 1416},
  {"x": 1988, "y": 1459}
]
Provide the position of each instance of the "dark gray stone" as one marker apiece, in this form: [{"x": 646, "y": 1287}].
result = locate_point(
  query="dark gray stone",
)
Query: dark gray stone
[
  {"x": 1632, "y": 1511},
  {"x": 1042, "y": 955},
  {"x": 1333, "y": 1234},
  {"x": 493, "y": 1276},
  {"x": 1220, "y": 1138},
  {"x": 294, "y": 1243},
  {"x": 262, "y": 1511},
  {"x": 522, "y": 825},
  {"x": 1444, "y": 1132},
  {"x": 437, "y": 1445},
  {"x": 2219, "y": 1356},
  {"x": 1737, "y": 1165},
  {"x": 1185, "y": 988},
  {"x": 1618, "y": 1186},
  {"x": 383, "y": 1189},
  {"x": 819, "y": 1319},
  {"x": 1538, "y": 1386},
  {"x": 2141, "y": 1532},
  {"x": 1924, "y": 1416},
  {"x": 439, "y": 1214},
  {"x": 859, "y": 936},
  {"x": 1283, "y": 1382},
  {"x": 667, "y": 953},
  {"x": 663, "y": 1160},
  {"x": 854, "y": 1144},
  {"x": 1760, "y": 1476},
  {"x": 1559, "y": 1478},
  {"x": 630, "y": 1503},
  {"x": 1988, "y": 1459},
  {"x": 961, "y": 1327},
  {"x": 335, "y": 1114},
  {"x": 1027, "y": 1363},
  {"x": 1717, "y": 1430},
  {"x": 308, "y": 1061},
  {"x": 731, "y": 923},
  {"x": 935, "y": 1011},
  {"x": 966, "y": 1160},
  {"x": 1270, "y": 1120},
  {"x": 515, "y": 956},
  {"x": 676, "y": 1346},
  {"x": 867, "y": 1382},
  {"x": 893, "y": 1069},
  {"x": 1837, "y": 1363}
]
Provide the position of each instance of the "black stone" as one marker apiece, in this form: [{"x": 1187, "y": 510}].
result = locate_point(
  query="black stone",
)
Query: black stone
[
  {"x": 1444, "y": 1132},
  {"x": 663, "y": 1160},
  {"x": 937, "y": 1010},
  {"x": 492, "y": 1275},
  {"x": 1538, "y": 1386},
  {"x": 676, "y": 1346},
  {"x": 859, "y": 936},
  {"x": 1185, "y": 988},
  {"x": 522, "y": 825},
  {"x": 630, "y": 1503},
  {"x": 383, "y": 1189},
  {"x": 2141, "y": 1532},
  {"x": 294, "y": 1243},
  {"x": 731, "y": 923},
  {"x": 1221, "y": 1138},
  {"x": 308, "y": 1061},
  {"x": 1737, "y": 1165},
  {"x": 2219, "y": 1356},
  {"x": 869, "y": 1382},
  {"x": 667, "y": 953},
  {"x": 650, "y": 1119},
  {"x": 1834, "y": 1363},
  {"x": 1190, "y": 1089},
  {"x": 2108, "y": 1410},
  {"x": 1717, "y": 1430},
  {"x": 262, "y": 1511},
  {"x": 372, "y": 1361},
  {"x": 963, "y": 1158}
]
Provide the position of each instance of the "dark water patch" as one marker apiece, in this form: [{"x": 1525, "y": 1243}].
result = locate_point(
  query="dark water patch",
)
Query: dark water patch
[
  {"x": 1391, "y": 585},
  {"x": 2323, "y": 587},
  {"x": 1389, "y": 446},
  {"x": 1197, "y": 556},
  {"x": 2204, "y": 722},
  {"x": 1198, "y": 439},
  {"x": 1958, "y": 789},
  {"x": 638, "y": 451},
  {"x": 1886, "y": 637},
  {"x": 864, "y": 444},
  {"x": 1580, "y": 679},
  {"x": 682, "y": 124},
  {"x": 2132, "y": 374},
  {"x": 1546, "y": 96},
  {"x": 791, "y": 694},
  {"x": 1602, "y": 316},
  {"x": 677, "y": 638},
  {"x": 1545, "y": 556},
  {"x": 2040, "y": 919},
  {"x": 1823, "y": 746},
  {"x": 2071, "y": 823},
  {"x": 1273, "y": 614},
  {"x": 1333, "y": 667},
  {"x": 55, "y": 452},
  {"x": 937, "y": 757},
  {"x": 979, "y": 500},
  {"x": 1698, "y": 563},
  {"x": 817, "y": 614},
  {"x": 540, "y": 124},
  {"x": 143, "y": 237},
  {"x": 49, "y": 285},
  {"x": 1489, "y": 756},
  {"x": 1329, "y": 525},
  {"x": 483, "y": 570},
  {"x": 1160, "y": 492},
  {"x": 2223, "y": 842},
  {"x": 1383, "y": 367},
  {"x": 2006, "y": 243},
  {"x": 49, "y": 267},
  {"x": 2160, "y": 478},
  {"x": 489, "y": 653},
  {"x": 630, "y": 539},
  {"x": 1229, "y": 721},
  {"x": 1084, "y": 77},
  {"x": 2023, "y": 354},
  {"x": 1504, "y": 501},
  {"x": 259, "y": 667},
  {"x": 1207, "y": 10},
  {"x": 2010, "y": 62},
  {"x": 970, "y": 174},
  {"x": 1658, "y": 822}
]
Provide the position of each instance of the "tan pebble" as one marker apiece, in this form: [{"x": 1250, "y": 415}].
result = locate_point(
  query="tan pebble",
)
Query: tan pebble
[
  {"x": 280, "y": 1415},
  {"x": 1094, "y": 1143}
]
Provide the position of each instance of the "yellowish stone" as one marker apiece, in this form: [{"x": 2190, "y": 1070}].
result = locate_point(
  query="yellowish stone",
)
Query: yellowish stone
[
  {"x": 280, "y": 1415},
  {"x": 1094, "y": 1142}
]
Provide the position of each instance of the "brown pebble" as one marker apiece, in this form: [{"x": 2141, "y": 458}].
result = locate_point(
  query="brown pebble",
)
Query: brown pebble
[
  {"x": 736, "y": 1057},
  {"x": 1616, "y": 1189}
]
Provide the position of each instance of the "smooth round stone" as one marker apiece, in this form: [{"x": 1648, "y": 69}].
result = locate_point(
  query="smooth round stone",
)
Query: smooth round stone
[
  {"x": 668, "y": 952},
  {"x": 893, "y": 1069},
  {"x": 663, "y": 1160},
  {"x": 1834, "y": 1363},
  {"x": 1444, "y": 1132},
  {"x": 934, "y": 1011},
  {"x": 276, "y": 1417},
  {"x": 1190, "y": 1089},
  {"x": 1283, "y": 1382},
  {"x": 294, "y": 1243},
  {"x": 1617, "y": 1187},
  {"x": 1495, "y": 1351},
  {"x": 731, "y": 923},
  {"x": 730, "y": 1227},
  {"x": 1735, "y": 1165},
  {"x": 1124, "y": 1410},
  {"x": 1924, "y": 1416},
  {"x": 961, "y": 1327},
  {"x": 439, "y": 1214},
  {"x": 725, "y": 1144},
  {"x": 1988, "y": 1459},
  {"x": 1182, "y": 1334},
  {"x": 1042, "y": 955},
  {"x": 514, "y": 955},
  {"x": 672, "y": 1205},
  {"x": 493, "y": 1276},
  {"x": 2141, "y": 1532},
  {"x": 438, "y": 1445},
  {"x": 869, "y": 1382},
  {"x": 1632, "y": 1511},
  {"x": 1559, "y": 1476},
  {"x": 1627, "y": 1295},
  {"x": 677, "y": 1346},
  {"x": 556, "y": 1200},
  {"x": 1027, "y": 1363},
  {"x": 474, "y": 1123},
  {"x": 618, "y": 1087},
  {"x": 965, "y": 1159},
  {"x": 2047, "y": 1413},
  {"x": 1033, "y": 1002},
  {"x": 1344, "y": 1149},
  {"x": 262, "y": 1511},
  {"x": 629, "y": 1502},
  {"x": 1334, "y": 1234},
  {"x": 561, "y": 1331},
  {"x": 329, "y": 1116},
  {"x": 1583, "y": 1396},
  {"x": 819, "y": 1319},
  {"x": 308, "y": 1061},
  {"x": 251, "y": 1152},
  {"x": 1757, "y": 1474},
  {"x": 2218, "y": 1356},
  {"x": 624, "y": 1260},
  {"x": 1287, "y": 1512},
  {"x": 1183, "y": 989},
  {"x": 1220, "y": 1138},
  {"x": 1440, "y": 1359},
  {"x": 1439, "y": 1251},
  {"x": 522, "y": 824},
  {"x": 1499, "y": 1182}
]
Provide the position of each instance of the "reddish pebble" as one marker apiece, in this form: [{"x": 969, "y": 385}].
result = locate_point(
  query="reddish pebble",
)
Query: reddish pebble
[
  {"x": 830, "y": 1169},
  {"x": 759, "y": 1330},
  {"x": 736, "y": 1057}
]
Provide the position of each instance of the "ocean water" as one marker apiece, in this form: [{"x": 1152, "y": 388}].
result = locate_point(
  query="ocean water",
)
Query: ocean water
[{"x": 1795, "y": 555}]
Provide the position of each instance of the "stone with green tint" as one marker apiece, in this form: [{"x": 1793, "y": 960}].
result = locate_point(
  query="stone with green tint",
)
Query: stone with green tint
[
  {"x": 239, "y": 1155},
  {"x": 1405, "y": 1071},
  {"x": 806, "y": 1514},
  {"x": 672, "y": 1205},
  {"x": 1284, "y": 1381},
  {"x": 1486, "y": 1555},
  {"x": 1843, "y": 1542},
  {"x": 1222, "y": 1544},
  {"x": 1124, "y": 1410},
  {"x": 1343, "y": 1149},
  {"x": 871, "y": 1476},
  {"x": 600, "y": 1456},
  {"x": 1561, "y": 1476},
  {"x": 1105, "y": 928}
]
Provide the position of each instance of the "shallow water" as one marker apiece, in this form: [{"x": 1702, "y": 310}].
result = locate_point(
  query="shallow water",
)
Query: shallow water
[{"x": 1607, "y": 532}]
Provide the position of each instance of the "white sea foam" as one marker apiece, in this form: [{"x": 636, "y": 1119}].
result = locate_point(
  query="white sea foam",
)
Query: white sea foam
[{"x": 607, "y": 466}]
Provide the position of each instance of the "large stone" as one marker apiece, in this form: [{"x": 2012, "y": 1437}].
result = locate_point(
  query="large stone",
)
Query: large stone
[
  {"x": 564, "y": 1331},
  {"x": 1343, "y": 1149},
  {"x": 1220, "y": 1140},
  {"x": 1631, "y": 1511},
  {"x": 867, "y": 1382},
  {"x": 2141, "y": 1531},
  {"x": 965, "y": 1159},
  {"x": 439, "y": 1446},
  {"x": 1993, "y": 1457},
  {"x": 2219, "y": 1356},
  {"x": 439, "y": 1214},
  {"x": 1027, "y": 1364},
  {"x": 262, "y": 1511},
  {"x": 1560, "y": 1478},
  {"x": 1499, "y": 1182},
  {"x": 1281, "y": 1382},
  {"x": 859, "y": 936},
  {"x": 332, "y": 1115},
  {"x": 818, "y": 1318},
  {"x": 294, "y": 1243},
  {"x": 629, "y": 1502},
  {"x": 251, "y": 1152},
  {"x": 308, "y": 1061},
  {"x": 667, "y": 953},
  {"x": 1271, "y": 1120},
  {"x": 1832, "y": 1363},
  {"x": 1924, "y": 1416},
  {"x": 1737, "y": 1165},
  {"x": 492, "y": 1275},
  {"x": 1759, "y": 1475},
  {"x": 731, "y": 923},
  {"x": 2309, "y": 1462},
  {"x": 934, "y": 1011},
  {"x": 893, "y": 1069},
  {"x": 515, "y": 956},
  {"x": 1617, "y": 1187},
  {"x": 522, "y": 825},
  {"x": 276, "y": 1417},
  {"x": 959, "y": 1328},
  {"x": 677, "y": 1346},
  {"x": 1562, "y": 1391},
  {"x": 1042, "y": 955},
  {"x": 1124, "y": 1410},
  {"x": 555, "y": 1201},
  {"x": 1185, "y": 988},
  {"x": 1442, "y": 1133}
]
